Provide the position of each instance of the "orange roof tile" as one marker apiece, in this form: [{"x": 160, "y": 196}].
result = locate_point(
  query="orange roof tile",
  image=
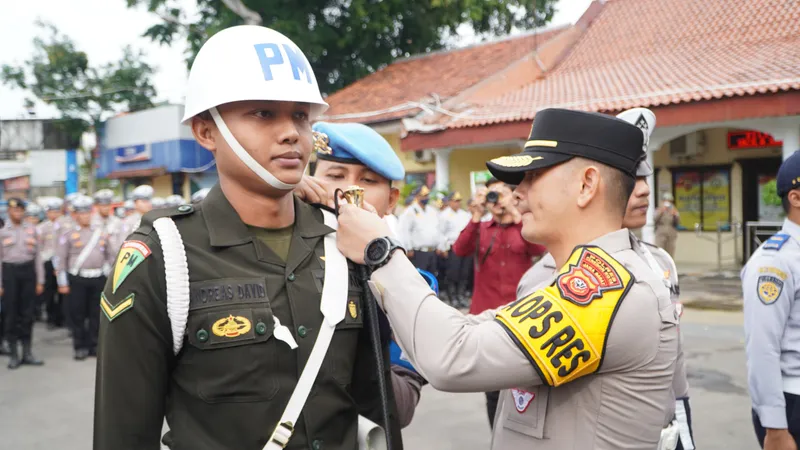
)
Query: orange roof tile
[
  {"x": 417, "y": 79},
  {"x": 654, "y": 52}
]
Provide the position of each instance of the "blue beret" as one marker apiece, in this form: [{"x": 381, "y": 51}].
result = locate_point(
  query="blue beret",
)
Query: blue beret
[
  {"x": 354, "y": 143},
  {"x": 789, "y": 174}
]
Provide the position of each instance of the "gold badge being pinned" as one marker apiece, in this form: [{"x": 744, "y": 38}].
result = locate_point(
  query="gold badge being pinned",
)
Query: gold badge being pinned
[
  {"x": 354, "y": 195},
  {"x": 515, "y": 161},
  {"x": 352, "y": 309},
  {"x": 322, "y": 143},
  {"x": 231, "y": 326}
]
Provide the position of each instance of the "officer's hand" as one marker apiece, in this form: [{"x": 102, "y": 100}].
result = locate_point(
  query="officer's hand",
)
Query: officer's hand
[
  {"x": 357, "y": 228},
  {"x": 64, "y": 290},
  {"x": 313, "y": 190},
  {"x": 39, "y": 289},
  {"x": 1, "y": 292},
  {"x": 779, "y": 439}
]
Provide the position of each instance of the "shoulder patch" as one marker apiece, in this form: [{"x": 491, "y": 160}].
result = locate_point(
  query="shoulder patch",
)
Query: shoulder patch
[
  {"x": 776, "y": 241},
  {"x": 131, "y": 254},
  {"x": 774, "y": 271},
  {"x": 769, "y": 288},
  {"x": 562, "y": 328},
  {"x": 113, "y": 311}
]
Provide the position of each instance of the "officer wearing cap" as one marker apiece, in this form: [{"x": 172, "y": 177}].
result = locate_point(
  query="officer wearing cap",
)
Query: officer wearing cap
[
  {"x": 142, "y": 197},
  {"x": 658, "y": 260},
  {"x": 21, "y": 279},
  {"x": 218, "y": 313},
  {"x": 588, "y": 358},
  {"x": 33, "y": 214},
  {"x": 771, "y": 288},
  {"x": 129, "y": 208},
  {"x": 158, "y": 202},
  {"x": 49, "y": 231},
  {"x": 66, "y": 220},
  {"x": 453, "y": 219},
  {"x": 105, "y": 218},
  {"x": 353, "y": 154},
  {"x": 198, "y": 196},
  {"x": 84, "y": 255},
  {"x": 666, "y": 220},
  {"x": 419, "y": 230}
]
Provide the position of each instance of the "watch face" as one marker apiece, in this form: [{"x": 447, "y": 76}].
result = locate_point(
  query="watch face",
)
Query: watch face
[{"x": 377, "y": 250}]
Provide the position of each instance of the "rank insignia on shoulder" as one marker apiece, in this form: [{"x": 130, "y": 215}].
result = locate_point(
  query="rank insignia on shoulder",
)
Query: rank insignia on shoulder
[
  {"x": 113, "y": 311},
  {"x": 769, "y": 288},
  {"x": 562, "y": 328},
  {"x": 130, "y": 256},
  {"x": 776, "y": 241}
]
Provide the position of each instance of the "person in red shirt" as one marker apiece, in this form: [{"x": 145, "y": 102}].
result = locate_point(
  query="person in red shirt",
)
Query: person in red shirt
[{"x": 502, "y": 256}]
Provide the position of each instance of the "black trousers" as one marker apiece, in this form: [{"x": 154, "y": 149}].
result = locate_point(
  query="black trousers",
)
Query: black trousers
[
  {"x": 426, "y": 261},
  {"x": 84, "y": 310},
  {"x": 491, "y": 406},
  {"x": 792, "y": 419},
  {"x": 52, "y": 299},
  {"x": 19, "y": 301},
  {"x": 456, "y": 274}
]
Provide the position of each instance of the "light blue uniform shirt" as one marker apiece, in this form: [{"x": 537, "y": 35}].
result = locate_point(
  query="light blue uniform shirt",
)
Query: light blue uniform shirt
[{"x": 771, "y": 286}]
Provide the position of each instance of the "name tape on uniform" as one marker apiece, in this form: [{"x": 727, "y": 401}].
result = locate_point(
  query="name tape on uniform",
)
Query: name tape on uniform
[
  {"x": 563, "y": 328},
  {"x": 131, "y": 254}
]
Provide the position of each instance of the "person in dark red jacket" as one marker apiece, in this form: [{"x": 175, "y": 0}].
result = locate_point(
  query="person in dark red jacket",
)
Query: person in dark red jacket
[{"x": 502, "y": 256}]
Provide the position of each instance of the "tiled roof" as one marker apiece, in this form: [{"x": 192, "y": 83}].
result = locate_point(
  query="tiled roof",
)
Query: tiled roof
[
  {"x": 654, "y": 52},
  {"x": 421, "y": 78}
]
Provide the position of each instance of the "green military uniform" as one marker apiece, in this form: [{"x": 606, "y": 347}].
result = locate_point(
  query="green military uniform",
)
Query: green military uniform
[{"x": 227, "y": 387}]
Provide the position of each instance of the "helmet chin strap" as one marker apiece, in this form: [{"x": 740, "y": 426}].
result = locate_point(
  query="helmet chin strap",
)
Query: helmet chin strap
[{"x": 245, "y": 157}]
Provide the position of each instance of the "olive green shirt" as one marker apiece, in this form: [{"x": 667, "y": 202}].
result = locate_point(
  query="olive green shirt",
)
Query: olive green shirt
[
  {"x": 231, "y": 381},
  {"x": 278, "y": 240}
]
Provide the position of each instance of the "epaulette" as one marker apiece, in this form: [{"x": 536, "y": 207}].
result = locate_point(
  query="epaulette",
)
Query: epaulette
[
  {"x": 776, "y": 241},
  {"x": 178, "y": 211}
]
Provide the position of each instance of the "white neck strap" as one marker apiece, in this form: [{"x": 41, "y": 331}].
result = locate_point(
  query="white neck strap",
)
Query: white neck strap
[{"x": 245, "y": 157}]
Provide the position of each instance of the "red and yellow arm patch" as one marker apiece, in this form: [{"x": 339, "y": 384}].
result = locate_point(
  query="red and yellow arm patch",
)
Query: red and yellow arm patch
[{"x": 562, "y": 329}]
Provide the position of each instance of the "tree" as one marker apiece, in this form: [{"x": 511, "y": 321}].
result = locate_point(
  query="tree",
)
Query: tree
[
  {"x": 345, "y": 40},
  {"x": 59, "y": 74}
]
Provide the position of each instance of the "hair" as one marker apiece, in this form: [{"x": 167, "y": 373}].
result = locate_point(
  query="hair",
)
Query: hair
[
  {"x": 492, "y": 181},
  {"x": 205, "y": 115},
  {"x": 620, "y": 185},
  {"x": 785, "y": 203}
]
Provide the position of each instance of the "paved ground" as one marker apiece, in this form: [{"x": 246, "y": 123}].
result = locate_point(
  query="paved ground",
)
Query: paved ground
[{"x": 43, "y": 408}]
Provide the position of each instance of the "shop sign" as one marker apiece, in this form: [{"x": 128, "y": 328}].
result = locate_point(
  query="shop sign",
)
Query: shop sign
[
  {"x": 133, "y": 153},
  {"x": 740, "y": 140}
]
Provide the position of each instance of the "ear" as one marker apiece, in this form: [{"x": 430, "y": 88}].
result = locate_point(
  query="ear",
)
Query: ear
[
  {"x": 394, "y": 196},
  {"x": 590, "y": 180},
  {"x": 203, "y": 132},
  {"x": 794, "y": 198}
]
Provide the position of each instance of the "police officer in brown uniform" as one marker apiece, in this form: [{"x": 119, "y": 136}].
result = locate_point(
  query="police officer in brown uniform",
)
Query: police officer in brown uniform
[
  {"x": 22, "y": 280},
  {"x": 587, "y": 359},
  {"x": 213, "y": 312},
  {"x": 49, "y": 232},
  {"x": 104, "y": 216},
  {"x": 84, "y": 254}
]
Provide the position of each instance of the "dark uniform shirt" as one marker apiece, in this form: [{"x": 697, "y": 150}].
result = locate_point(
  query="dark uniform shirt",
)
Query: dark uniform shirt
[{"x": 230, "y": 383}]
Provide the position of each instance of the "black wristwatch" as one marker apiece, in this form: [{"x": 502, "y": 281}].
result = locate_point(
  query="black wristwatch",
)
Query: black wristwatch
[{"x": 379, "y": 251}]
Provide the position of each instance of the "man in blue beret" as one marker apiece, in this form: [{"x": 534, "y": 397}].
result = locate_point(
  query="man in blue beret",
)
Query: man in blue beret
[
  {"x": 772, "y": 321},
  {"x": 351, "y": 154}
]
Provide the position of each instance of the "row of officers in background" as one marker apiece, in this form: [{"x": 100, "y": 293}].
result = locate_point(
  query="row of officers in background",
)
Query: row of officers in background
[{"x": 58, "y": 266}]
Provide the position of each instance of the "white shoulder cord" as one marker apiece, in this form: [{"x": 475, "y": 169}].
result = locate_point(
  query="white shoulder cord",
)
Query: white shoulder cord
[{"x": 176, "y": 270}]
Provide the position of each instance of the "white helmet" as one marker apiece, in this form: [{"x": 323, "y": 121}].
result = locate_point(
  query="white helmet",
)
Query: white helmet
[
  {"x": 646, "y": 121},
  {"x": 250, "y": 62}
]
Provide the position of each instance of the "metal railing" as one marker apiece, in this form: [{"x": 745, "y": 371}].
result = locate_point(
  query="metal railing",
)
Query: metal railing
[
  {"x": 758, "y": 232},
  {"x": 719, "y": 239}
]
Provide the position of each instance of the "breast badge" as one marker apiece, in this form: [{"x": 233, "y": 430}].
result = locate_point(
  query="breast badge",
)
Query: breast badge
[
  {"x": 522, "y": 399},
  {"x": 231, "y": 327},
  {"x": 769, "y": 289}
]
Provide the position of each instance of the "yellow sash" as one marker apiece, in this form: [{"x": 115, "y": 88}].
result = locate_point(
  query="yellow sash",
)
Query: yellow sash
[{"x": 563, "y": 328}]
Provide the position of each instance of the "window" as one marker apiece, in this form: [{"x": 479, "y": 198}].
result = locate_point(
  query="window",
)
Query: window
[{"x": 703, "y": 195}]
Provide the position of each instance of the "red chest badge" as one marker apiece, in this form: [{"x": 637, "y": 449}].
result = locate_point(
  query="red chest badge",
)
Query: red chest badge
[
  {"x": 522, "y": 399},
  {"x": 588, "y": 279}
]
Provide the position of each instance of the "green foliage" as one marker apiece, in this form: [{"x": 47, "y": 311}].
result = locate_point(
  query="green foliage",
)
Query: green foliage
[
  {"x": 58, "y": 73},
  {"x": 769, "y": 193},
  {"x": 345, "y": 40}
]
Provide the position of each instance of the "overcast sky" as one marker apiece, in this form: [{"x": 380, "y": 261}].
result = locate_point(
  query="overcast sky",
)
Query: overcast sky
[{"x": 102, "y": 28}]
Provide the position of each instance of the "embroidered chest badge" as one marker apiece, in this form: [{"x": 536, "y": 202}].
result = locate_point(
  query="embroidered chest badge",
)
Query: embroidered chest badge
[
  {"x": 231, "y": 327},
  {"x": 522, "y": 399}
]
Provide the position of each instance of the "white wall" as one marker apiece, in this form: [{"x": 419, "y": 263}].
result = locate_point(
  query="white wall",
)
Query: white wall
[
  {"x": 152, "y": 125},
  {"x": 49, "y": 167}
]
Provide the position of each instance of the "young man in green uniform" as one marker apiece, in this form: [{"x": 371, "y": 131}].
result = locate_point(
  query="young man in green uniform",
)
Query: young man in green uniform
[{"x": 256, "y": 260}]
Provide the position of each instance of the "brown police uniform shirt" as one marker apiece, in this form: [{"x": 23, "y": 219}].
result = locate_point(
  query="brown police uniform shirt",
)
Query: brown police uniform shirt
[
  {"x": 72, "y": 243},
  {"x": 230, "y": 383},
  {"x": 624, "y": 404},
  {"x": 20, "y": 244}
]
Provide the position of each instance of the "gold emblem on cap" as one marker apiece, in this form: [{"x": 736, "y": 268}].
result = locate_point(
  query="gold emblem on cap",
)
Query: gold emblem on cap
[
  {"x": 515, "y": 160},
  {"x": 322, "y": 143},
  {"x": 541, "y": 143},
  {"x": 354, "y": 195}
]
